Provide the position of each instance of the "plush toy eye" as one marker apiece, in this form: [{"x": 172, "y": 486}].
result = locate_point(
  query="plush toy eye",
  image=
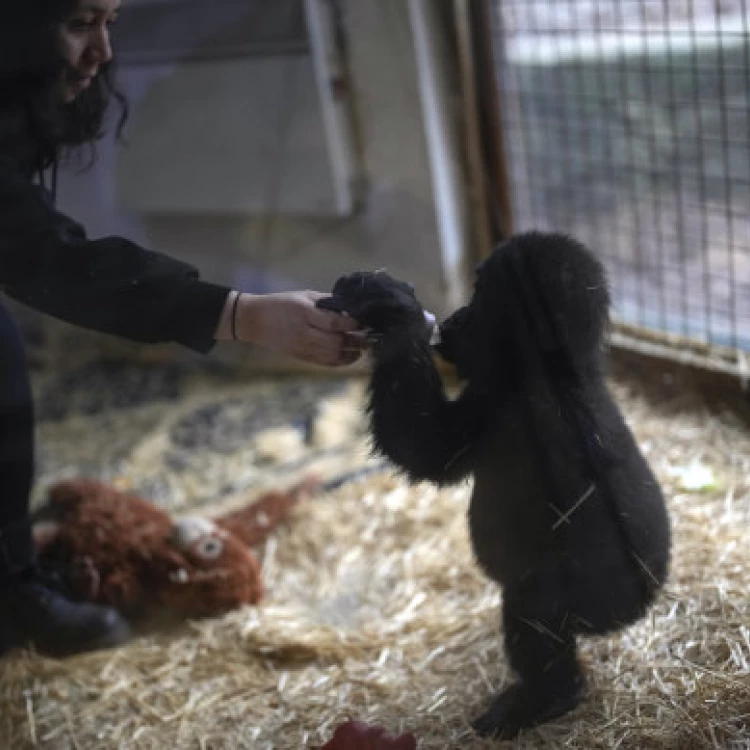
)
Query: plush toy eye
[
  {"x": 210, "y": 548},
  {"x": 191, "y": 529}
]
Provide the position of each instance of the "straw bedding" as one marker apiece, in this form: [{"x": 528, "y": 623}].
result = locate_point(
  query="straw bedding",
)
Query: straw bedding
[{"x": 375, "y": 608}]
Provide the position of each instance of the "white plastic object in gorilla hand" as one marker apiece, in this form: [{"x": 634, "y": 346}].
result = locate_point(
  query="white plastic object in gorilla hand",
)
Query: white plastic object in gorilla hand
[{"x": 432, "y": 322}]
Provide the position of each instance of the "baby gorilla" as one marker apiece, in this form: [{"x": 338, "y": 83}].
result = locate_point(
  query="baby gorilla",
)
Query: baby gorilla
[{"x": 565, "y": 513}]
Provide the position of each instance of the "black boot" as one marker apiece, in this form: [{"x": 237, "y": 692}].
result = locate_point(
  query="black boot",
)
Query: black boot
[{"x": 36, "y": 612}]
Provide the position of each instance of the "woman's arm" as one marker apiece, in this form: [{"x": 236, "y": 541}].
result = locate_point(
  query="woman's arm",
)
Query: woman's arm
[
  {"x": 114, "y": 286},
  {"x": 290, "y": 323},
  {"x": 110, "y": 285}
]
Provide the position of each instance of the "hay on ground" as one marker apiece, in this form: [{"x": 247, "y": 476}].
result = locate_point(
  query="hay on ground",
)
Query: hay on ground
[{"x": 377, "y": 611}]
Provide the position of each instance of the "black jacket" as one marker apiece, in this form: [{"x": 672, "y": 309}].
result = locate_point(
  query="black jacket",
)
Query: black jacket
[{"x": 110, "y": 285}]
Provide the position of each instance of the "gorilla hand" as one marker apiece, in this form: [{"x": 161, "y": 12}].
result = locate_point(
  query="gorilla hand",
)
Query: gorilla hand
[{"x": 380, "y": 303}]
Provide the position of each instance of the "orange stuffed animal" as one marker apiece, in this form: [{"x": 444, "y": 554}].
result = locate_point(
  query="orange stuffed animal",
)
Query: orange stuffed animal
[{"x": 123, "y": 551}]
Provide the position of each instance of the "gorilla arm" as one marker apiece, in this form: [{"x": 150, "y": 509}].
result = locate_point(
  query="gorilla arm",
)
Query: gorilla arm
[{"x": 414, "y": 423}]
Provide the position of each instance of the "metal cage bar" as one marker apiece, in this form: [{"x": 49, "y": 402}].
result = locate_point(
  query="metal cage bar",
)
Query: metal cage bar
[{"x": 627, "y": 124}]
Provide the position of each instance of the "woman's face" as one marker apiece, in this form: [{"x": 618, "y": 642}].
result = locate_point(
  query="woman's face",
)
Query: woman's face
[{"x": 84, "y": 38}]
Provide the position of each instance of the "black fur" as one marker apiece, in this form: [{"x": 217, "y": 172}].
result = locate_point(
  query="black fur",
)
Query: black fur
[{"x": 565, "y": 514}]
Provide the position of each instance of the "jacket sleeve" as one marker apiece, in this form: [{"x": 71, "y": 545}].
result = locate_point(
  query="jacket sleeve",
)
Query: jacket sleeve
[{"x": 110, "y": 285}]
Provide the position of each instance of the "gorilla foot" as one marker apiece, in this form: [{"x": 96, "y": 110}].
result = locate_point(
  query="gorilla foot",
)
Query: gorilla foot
[{"x": 521, "y": 707}]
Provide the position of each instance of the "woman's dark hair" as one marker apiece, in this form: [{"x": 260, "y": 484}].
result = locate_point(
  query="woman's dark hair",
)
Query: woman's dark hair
[{"x": 31, "y": 68}]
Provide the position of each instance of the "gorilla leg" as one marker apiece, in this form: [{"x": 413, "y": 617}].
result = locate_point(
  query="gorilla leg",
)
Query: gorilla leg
[{"x": 540, "y": 642}]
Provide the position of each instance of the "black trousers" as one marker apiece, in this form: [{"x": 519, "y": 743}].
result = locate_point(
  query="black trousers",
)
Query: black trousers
[{"x": 16, "y": 448}]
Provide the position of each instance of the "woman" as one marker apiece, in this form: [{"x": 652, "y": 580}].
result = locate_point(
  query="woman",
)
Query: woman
[{"x": 55, "y": 85}]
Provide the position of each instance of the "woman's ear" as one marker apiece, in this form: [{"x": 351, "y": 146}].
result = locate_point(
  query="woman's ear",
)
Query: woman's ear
[{"x": 44, "y": 533}]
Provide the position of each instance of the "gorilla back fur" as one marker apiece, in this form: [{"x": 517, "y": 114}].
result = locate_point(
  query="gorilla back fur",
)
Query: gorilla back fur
[{"x": 565, "y": 513}]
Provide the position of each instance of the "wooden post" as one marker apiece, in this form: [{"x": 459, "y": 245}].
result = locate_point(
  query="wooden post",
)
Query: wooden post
[
  {"x": 496, "y": 163},
  {"x": 477, "y": 183}
]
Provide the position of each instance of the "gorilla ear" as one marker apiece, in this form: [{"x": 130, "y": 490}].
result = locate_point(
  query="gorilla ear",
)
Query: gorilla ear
[{"x": 44, "y": 534}]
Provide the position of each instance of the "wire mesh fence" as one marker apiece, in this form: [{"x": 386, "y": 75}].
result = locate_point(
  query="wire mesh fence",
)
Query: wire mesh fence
[{"x": 627, "y": 124}]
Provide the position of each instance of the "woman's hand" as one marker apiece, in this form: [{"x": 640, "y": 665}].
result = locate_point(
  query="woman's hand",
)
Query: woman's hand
[{"x": 289, "y": 323}]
